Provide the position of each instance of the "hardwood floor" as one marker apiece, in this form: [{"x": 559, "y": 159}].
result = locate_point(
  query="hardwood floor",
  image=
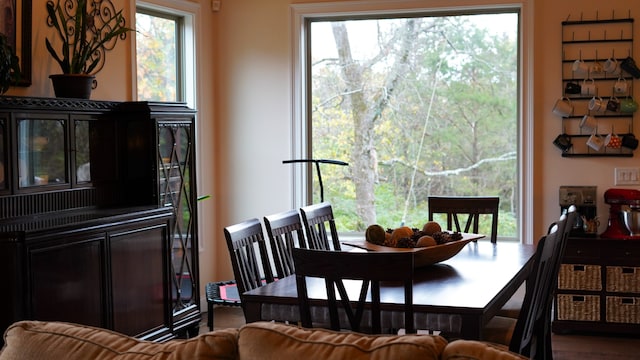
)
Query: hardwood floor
[{"x": 565, "y": 347}]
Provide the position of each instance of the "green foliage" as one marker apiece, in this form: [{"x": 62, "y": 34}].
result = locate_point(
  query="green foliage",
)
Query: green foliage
[
  {"x": 156, "y": 56},
  {"x": 458, "y": 87},
  {"x": 9, "y": 65},
  {"x": 84, "y": 36}
]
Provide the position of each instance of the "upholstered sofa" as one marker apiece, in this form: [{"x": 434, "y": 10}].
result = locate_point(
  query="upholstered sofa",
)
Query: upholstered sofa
[{"x": 28, "y": 340}]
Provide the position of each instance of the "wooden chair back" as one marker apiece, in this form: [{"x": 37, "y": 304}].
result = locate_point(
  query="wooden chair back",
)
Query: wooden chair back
[
  {"x": 285, "y": 232},
  {"x": 371, "y": 268},
  {"x": 533, "y": 325},
  {"x": 319, "y": 223},
  {"x": 251, "y": 266},
  {"x": 472, "y": 206}
]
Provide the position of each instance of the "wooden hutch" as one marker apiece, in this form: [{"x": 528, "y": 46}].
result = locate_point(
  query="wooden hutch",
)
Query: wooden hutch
[{"x": 98, "y": 221}]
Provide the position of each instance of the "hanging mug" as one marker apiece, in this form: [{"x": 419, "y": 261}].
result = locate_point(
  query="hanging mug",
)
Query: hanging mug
[
  {"x": 613, "y": 104},
  {"x": 572, "y": 88},
  {"x": 628, "y": 105},
  {"x": 588, "y": 87},
  {"x": 610, "y": 66},
  {"x": 620, "y": 87},
  {"x": 580, "y": 66},
  {"x": 597, "y": 104},
  {"x": 563, "y": 107},
  {"x": 563, "y": 142}
]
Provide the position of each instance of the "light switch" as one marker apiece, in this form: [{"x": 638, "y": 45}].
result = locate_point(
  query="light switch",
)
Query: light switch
[{"x": 627, "y": 176}]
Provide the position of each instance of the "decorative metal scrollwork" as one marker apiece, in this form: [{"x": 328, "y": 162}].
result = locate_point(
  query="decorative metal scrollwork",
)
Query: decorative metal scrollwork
[{"x": 102, "y": 20}]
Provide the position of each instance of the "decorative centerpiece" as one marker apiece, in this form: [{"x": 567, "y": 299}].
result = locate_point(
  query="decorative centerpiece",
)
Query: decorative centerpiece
[
  {"x": 87, "y": 31},
  {"x": 9, "y": 65},
  {"x": 406, "y": 237},
  {"x": 430, "y": 244}
]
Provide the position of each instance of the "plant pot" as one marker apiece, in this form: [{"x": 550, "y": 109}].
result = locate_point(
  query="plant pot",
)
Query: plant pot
[{"x": 76, "y": 86}]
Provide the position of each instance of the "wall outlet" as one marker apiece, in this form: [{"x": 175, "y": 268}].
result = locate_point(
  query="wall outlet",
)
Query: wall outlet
[
  {"x": 215, "y": 5},
  {"x": 627, "y": 176}
]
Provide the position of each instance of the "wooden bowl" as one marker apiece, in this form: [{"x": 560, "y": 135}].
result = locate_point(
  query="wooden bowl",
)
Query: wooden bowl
[{"x": 423, "y": 255}]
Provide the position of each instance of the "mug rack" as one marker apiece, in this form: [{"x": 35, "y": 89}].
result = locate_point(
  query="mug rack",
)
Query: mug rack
[{"x": 592, "y": 54}]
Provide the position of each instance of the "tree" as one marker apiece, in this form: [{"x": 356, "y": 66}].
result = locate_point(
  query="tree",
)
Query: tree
[{"x": 426, "y": 114}]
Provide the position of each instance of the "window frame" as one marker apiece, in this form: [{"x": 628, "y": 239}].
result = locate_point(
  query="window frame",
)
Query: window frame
[{"x": 302, "y": 14}]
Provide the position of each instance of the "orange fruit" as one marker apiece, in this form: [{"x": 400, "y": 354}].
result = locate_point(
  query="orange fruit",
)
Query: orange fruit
[
  {"x": 431, "y": 227},
  {"x": 425, "y": 241},
  {"x": 375, "y": 234}
]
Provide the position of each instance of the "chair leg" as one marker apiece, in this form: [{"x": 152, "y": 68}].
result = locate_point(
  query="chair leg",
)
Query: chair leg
[{"x": 210, "y": 315}]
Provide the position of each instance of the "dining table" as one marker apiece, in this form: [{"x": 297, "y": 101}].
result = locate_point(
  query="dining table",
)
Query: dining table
[{"x": 456, "y": 297}]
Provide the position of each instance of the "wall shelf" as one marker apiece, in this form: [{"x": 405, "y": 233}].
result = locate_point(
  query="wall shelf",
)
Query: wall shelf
[{"x": 593, "y": 42}]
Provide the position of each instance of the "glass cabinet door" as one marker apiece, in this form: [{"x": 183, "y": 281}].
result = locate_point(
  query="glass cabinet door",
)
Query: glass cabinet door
[
  {"x": 174, "y": 153},
  {"x": 41, "y": 152},
  {"x": 82, "y": 157}
]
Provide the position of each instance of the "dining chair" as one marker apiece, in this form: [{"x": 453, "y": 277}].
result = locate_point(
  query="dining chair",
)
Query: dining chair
[
  {"x": 527, "y": 334},
  {"x": 514, "y": 305},
  {"x": 370, "y": 269},
  {"x": 471, "y": 206},
  {"x": 249, "y": 257},
  {"x": 316, "y": 219},
  {"x": 285, "y": 232}
]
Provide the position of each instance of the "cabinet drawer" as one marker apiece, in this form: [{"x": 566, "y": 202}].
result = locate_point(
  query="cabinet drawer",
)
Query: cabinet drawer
[
  {"x": 626, "y": 253},
  {"x": 578, "y": 307},
  {"x": 581, "y": 251},
  {"x": 580, "y": 277},
  {"x": 623, "y": 309},
  {"x": 623, "y": 279}
]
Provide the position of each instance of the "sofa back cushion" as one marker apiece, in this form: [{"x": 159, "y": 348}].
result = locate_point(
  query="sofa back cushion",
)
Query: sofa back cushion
[
  {"x": 26, "y": 340},
  {"x": 274, "y": 341}
]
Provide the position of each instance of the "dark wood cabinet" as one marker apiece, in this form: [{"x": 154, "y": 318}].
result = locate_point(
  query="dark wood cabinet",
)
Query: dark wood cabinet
[
  {"x": 599, "y": 287},
  {"x": 99, "y": 222}
]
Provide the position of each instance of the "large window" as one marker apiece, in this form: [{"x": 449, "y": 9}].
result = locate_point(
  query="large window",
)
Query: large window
[{"x": 418, "y": 105}]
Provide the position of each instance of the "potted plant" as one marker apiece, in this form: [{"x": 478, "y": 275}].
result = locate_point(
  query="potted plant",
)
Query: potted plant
[
  {"x": 9, "y": 65},
  {"x": 87, "y": 32}
]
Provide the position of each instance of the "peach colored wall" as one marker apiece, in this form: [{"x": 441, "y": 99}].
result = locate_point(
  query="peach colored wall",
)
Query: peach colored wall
[
  {"x": 245, "y": 111},
  {"x": 113, "y": 80},
  {"x": 552, "y": 170}
]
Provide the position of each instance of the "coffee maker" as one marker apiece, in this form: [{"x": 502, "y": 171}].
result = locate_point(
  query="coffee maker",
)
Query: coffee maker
[
  {"x": 584, "y": 199},
  {"x": 620, "y": 200}
]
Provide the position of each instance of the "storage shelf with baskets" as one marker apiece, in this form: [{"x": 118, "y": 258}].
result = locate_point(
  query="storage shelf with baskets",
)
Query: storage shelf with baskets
[
  {"x": 599, "y": 287},
  {"x": 594, "y": 85}
]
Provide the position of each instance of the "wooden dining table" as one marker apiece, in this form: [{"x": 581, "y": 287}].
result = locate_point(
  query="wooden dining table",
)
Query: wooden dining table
[{"x": 457, "y": 296}]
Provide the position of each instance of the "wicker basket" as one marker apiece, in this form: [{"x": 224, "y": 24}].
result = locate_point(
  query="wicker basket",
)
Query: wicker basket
[
  {"x": 580, "y": 277},
  {"x": 623, "y": 279},
  {"x": 623, "y": 309},
  {"x": 578, "y": 307}
]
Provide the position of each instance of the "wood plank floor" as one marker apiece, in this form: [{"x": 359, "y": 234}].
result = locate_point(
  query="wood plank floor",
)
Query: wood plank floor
[{"x": 565, "y": 347}]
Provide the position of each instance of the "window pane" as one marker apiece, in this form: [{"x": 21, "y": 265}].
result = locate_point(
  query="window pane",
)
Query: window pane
[
  {"x": 418, "y": 106},
  {"x": 41, "y": 156},
  {"x": 157, "y": 51}
]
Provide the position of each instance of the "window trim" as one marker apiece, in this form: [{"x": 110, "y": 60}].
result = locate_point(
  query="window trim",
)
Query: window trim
[{"x": 300, "y": 141}]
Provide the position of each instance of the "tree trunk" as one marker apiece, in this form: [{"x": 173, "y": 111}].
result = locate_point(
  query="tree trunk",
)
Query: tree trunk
[{"x": 365, "y": 111}]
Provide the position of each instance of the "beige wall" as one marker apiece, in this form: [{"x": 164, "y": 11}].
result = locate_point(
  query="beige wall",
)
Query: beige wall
[{"x": 245, "y": 112}]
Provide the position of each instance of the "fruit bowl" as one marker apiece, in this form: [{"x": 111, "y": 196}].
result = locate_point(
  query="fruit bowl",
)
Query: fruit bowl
[{"x": 424, "y": 256}]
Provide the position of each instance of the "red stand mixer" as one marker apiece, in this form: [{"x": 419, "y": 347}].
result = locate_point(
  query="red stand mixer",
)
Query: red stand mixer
[{"x": 624, "y": 212}]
